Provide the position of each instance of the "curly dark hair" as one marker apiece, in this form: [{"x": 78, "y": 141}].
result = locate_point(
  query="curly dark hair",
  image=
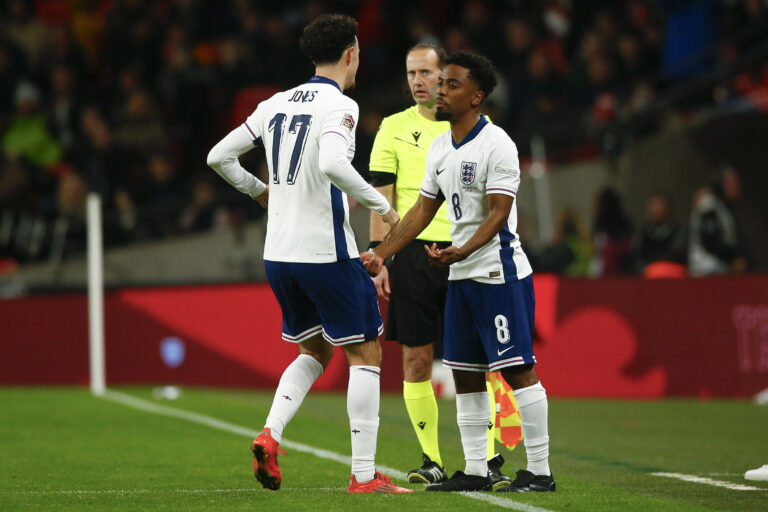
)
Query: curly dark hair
[
  {"x": 326, "y": 38},
  {"x": 480, "y": 69}
]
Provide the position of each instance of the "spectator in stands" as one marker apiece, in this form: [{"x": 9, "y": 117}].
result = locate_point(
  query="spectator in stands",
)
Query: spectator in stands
[
  {"x": 28, "y": 135},
  {"x": 569, "y": 253},
  {"x": 72, "y": 191},
  {"x": 139, "y": 129},
  {"x": 633, "y": 63},
  {"x": 203, "y": 213},
  {"x": 62, "y": 50},
  {"x": 747, "y": 22},
  {"x": 160, "y": 195},
  {"x": 184, "y": 89},
  {"x": 29, "y": 144},
  {"x": 660, "y": 238},
  {"x": 15, "y": 182},
  {"x": 477, "y": 24},
  {"x": 104, "y": 165},
  {"x": 611, "y": 235},
  {"x": 548, "y": 116},
  {"x": 519, "y": 44},
  {"x": 232, "y": 71},
  {"x": 717, "y": 244},
  {"x": 540, "y": 77},
  {"x": 10, "y": 70},
  {"x": 131, "y": 36},
  {"x": 26, "y": 32},
  {"x": 640, "y": 99},
  {"x": 64, "y": 108}
]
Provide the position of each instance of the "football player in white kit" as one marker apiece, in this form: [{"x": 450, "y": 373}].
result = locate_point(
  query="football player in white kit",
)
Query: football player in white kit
[
  {"x": 490, "y": 307},
  {"x": 310, "y": 254}
]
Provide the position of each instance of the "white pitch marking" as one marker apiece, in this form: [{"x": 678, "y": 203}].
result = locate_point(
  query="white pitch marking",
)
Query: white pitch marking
[
  {"x": 502, "y": 502},
  {"x": 138, "y": 491},
  {"x": 144, "y": 405},
  {"x": 166, "y": 491},
  {"x": 202, "y": 419},
  {"x": 709, "y": 481}
]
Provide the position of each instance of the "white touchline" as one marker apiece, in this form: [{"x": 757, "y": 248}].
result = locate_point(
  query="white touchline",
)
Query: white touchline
[
  {"x": 166, "y": 491},
  {"x": 709, "y": 481},
  {"x": 503, "y": 502},
  {"x": 202, "y": 419}
]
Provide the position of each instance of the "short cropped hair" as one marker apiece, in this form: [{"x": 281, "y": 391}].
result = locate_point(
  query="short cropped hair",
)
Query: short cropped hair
[
  {"x": 480, "y": 69},
  {"x": 439, "y": 50},
  {"x": 326, "y": 38}
]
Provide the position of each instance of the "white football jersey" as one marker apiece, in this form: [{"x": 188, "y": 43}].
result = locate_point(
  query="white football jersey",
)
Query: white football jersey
[
  {"x": 485, "y": 162},
  {"x": 308, "y": 216}
]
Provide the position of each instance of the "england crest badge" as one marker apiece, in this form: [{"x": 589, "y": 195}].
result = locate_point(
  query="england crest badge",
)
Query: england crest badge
[{"x": 467, "y": 174}]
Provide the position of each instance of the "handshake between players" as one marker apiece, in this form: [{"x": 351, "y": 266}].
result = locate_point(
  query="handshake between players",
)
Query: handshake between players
[{"x": 437, "y": 257}]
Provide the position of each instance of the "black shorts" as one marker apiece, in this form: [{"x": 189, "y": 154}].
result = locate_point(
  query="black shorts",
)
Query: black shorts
[{"x": 417, "y": 302}]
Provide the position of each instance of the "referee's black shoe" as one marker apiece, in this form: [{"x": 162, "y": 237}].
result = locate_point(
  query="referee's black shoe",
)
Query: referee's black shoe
[
  {"x": 462, "y": 482},
  {"x": 429, "y": 473},
  {"x": 528, "y": 482},
  {"x": 498, "y": 479}
]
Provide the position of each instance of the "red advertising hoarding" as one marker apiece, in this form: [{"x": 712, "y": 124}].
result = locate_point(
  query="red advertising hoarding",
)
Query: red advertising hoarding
[{"x": 622, "y": 337}]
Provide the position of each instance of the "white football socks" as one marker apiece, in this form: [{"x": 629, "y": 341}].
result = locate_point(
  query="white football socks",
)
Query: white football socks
[
  {"x": 532, "y": 403},
  {"x": 363, "y": 396},
  {"x": 294, "y": 385},
  {"x": 473, "y": 416}
]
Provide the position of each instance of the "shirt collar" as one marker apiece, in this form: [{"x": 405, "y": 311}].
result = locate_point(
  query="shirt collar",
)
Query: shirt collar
[
  {"x": 324, "y": 80},
  {"x": 472, "y": 133}
]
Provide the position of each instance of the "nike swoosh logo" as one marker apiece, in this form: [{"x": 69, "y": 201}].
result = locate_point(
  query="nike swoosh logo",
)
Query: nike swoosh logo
[
  {"x": 411, "y": 143},
  {"x": 500, "y": 352},
  {"x": 441, "y": 170}
]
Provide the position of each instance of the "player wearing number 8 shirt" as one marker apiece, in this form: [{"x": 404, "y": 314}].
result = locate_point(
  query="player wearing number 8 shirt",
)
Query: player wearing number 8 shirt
[
  {"x": 490, "y": 305},
  {"x": 311, "y": 257}
]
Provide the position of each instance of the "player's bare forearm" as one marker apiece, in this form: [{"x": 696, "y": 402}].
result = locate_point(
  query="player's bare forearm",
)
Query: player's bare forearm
[
  {"x": 378, "y": 228},
  {"x": 499, "y": 207},
  {"x": 414, "y": 222}
]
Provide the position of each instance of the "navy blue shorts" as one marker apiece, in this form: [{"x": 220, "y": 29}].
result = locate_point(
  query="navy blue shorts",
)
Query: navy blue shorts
[
  {"x": 337, "y": 299},
  {"x": 489, "y": 326}
]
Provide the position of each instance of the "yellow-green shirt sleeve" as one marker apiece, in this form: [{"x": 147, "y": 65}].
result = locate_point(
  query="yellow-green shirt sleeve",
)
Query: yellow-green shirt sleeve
[{"x": 383, "y": 156}]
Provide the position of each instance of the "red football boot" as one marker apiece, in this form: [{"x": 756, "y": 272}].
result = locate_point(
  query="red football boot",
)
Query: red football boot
[
  {"x": 265, "y": 467},
  {"x": 380, "y": 483}
]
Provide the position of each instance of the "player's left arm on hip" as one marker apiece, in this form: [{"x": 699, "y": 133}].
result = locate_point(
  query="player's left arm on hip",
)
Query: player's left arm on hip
[{"x": 223, "y": 158}]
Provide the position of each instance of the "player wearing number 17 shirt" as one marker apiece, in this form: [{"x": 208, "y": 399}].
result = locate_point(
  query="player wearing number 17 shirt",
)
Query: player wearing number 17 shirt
[
  {"x": 311, "y": 258},
  {"x": 490, "y": 305}
]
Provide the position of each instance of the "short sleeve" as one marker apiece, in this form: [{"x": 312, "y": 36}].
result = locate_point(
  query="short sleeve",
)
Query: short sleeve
[
  {"x": 429, "y": 187},
  {"x": 503, "y": 168},
  {"x": 383, "y": 156},
  {"x": 252, "y": 124},
  {"x": 341, "y": 120}
]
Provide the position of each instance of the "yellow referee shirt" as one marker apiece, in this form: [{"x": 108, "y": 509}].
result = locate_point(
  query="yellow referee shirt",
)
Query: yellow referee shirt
[{"x": 400, "y": 150}]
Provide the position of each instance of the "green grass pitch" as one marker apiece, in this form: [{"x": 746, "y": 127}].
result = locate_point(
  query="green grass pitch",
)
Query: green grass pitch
[{"x": 63, "y": 449}]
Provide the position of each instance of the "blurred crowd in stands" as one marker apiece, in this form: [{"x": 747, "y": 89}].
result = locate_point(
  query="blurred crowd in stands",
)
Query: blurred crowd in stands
[
  {"x": 712, "y": 242},
  {"x": 125, "y": 97}
]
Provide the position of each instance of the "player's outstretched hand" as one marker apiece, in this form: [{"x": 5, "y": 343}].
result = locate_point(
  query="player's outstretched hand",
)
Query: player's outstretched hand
[
  {"x": 263, "y": 198},
  {"x": 372, "y": 262},
  {"x": 443, "y": 257},
  {"x": 391, "y": 218},
  {"x": 381, "y": 282}
]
